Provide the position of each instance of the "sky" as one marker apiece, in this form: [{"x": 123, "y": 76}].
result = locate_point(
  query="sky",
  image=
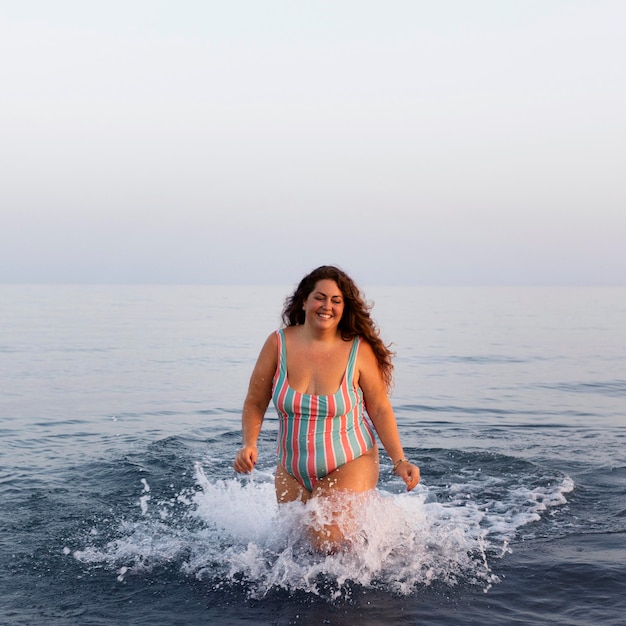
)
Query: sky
[{"x": 411, "y": 142}]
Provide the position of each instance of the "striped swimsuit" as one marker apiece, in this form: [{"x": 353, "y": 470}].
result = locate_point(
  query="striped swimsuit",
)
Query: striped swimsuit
[{"x": 318, "y": 434}]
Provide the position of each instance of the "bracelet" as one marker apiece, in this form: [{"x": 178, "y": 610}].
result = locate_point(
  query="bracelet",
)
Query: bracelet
[{"x": 397, "y": 464}]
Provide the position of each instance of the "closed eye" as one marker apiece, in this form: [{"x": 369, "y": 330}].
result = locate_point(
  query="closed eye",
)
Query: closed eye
[{"x": 334, "y": 299}]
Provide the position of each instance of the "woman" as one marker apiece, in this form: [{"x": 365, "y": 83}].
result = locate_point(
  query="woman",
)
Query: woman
[{"x": 321, "y": 370}]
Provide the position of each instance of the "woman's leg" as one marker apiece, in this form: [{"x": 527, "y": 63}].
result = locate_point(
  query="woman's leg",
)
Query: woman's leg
[
  {"x": 357, "y": 476},
  {"x": 288, "y": 488}
]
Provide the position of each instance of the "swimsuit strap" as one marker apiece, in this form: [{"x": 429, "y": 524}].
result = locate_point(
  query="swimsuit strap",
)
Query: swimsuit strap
[
  {"x": 349, "y": 375},
  {"x": 282, "y": 362}
]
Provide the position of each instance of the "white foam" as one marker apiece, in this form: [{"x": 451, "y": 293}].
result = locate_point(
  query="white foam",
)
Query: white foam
[{"x": 231, "y": 532}]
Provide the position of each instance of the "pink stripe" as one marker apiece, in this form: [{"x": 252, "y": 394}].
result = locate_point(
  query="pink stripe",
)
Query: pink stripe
[
  {"x": 345, "y": 441},
  {"x": 310, "y": 443},
  {"x": 358, "y": 432},
  {"x": 281, "y": 403},
  {"x": 297, "y": 424},
  {"x": 329, "y": 448}
]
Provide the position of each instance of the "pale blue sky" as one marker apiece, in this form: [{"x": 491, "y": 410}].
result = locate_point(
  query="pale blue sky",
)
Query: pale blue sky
[{"x": 411, "y": 142}]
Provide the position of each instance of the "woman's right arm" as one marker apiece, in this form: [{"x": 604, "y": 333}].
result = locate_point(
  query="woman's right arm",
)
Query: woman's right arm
[{"x": 256, "y": 403}]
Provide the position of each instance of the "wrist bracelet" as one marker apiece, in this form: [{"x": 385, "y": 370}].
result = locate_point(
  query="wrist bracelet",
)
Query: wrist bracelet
[{"x": 397, "y": 464}]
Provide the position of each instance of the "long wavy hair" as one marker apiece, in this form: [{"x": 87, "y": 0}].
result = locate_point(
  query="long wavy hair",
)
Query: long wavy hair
[{"x": 355, "y": 321}]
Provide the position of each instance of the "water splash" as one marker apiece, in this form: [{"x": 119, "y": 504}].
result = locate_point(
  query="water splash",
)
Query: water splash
[{"x": 231, "y": 533}]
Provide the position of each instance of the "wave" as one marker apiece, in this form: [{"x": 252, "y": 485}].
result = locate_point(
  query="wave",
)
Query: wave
[{"x": 614, "y": 388}]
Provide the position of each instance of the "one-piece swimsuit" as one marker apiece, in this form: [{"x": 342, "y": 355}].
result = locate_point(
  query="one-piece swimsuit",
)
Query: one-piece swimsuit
[{"x": 318, "y": 434}]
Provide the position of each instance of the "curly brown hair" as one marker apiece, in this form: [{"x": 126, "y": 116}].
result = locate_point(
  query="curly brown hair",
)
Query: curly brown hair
[{"x": 355, "y": 321}]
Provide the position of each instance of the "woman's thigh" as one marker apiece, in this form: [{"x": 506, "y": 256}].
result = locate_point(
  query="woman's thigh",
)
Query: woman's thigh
[
  {"x": 288, "y": 488},
  {"x": 357, "y": 476}
]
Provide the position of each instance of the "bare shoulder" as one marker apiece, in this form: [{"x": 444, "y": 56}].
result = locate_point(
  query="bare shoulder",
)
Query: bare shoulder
[
  {"x": 370, "y": 378},
  {"x": 366, "y": 353},
  {"x": 367, "y": 363},
  {"x": 260, "y": 386},
  {"x": 271, "y": 345},
  {"x": 268, "y": 357}
]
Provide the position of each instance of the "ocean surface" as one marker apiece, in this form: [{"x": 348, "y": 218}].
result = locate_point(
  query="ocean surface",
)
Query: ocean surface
[{"x": 120, "y": 418}]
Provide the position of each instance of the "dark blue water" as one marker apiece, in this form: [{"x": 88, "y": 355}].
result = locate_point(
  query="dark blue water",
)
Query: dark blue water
[{"x": 119, "y": 419}]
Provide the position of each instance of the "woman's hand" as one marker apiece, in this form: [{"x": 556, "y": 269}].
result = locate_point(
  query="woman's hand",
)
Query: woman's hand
[
  {"x": 409, "y": 473},
  {"x": 246, "y": 459}
]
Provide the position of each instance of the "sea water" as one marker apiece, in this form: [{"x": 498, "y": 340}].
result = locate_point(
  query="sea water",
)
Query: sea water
[{"x": 120, "y": 418}]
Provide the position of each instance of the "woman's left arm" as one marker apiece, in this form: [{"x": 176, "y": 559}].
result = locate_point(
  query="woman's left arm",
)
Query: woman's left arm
[{"x": 381, "y": 413}]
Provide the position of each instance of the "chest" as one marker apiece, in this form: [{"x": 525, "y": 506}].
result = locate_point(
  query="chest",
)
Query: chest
[{"x": 318, "y": 372}]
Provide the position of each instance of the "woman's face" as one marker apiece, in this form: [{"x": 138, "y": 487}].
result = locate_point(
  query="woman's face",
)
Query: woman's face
[{"x": 324, "y": 306}]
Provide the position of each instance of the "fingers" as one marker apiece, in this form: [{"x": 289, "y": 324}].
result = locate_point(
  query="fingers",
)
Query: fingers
[
  {"x": 242, "y": 465},
  {"x": 411, "y": 476},
  {"x": 245, "y": 460}
]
